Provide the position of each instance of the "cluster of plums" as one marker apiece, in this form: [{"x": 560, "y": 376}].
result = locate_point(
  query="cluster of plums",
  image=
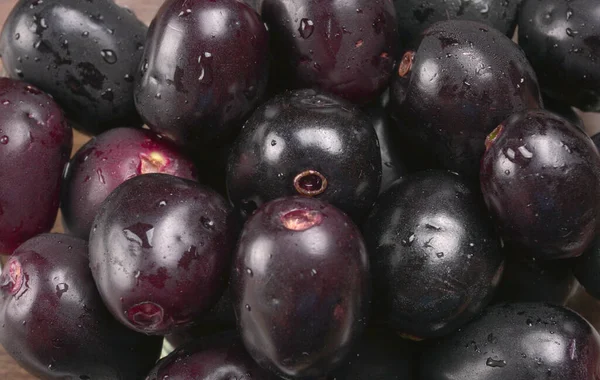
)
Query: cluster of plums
[{"x": 300, "y": 189}]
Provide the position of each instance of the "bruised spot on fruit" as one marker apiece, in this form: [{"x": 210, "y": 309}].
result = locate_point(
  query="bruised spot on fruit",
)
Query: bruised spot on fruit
[
  {"x": 13, "y": 277},
  {"x": 489, "y": 140},
  {"x": 410, "y": 337},
  {"x": 152, "y": 163},
  {"x": 301, "y": 220},
  {"x": 406, "y": 63},
  {"x": 146, "y": 315},
  {"x": 310, "y": 183}
]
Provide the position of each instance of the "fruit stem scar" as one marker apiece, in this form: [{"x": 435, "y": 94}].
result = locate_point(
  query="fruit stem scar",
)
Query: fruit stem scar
[
  {"x": 310, "y": 183},
  {"x": 154, "y": 162},
  {"x": 406, "y": 63},
  {"x": 301, "y": 220},
  {"x": 15, "y": 277},
  {"x": 489, "y": 140}
]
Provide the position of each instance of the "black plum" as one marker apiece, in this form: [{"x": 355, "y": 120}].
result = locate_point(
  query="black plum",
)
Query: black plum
[
  {"x": 540, "y": 178},
  {"x": 300, "y": 286},
  {"x": 563, "y": 110},
  {"x": 587, "y": 269},
  {"x": 414, "y": 16},
  {"x": 105, "y": 162},
  {"x": 463, "y": 80},
  {"x": 54, "y": 322},
  {"x": 309, "y": 143},
  {"x": 205, "y": 67},
  {"x": 562, "y": 41},
  {"x": 434, "y": 255},
  {"x": 35, "y": 142},
  {"x": 517, "y": 341},
  {"x": 84, "y": 53},
  {"x": 160, "y": 249},
  {"x": 345, "y": 48}
]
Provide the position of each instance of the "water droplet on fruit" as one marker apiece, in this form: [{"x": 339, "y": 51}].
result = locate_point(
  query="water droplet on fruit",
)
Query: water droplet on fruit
[
  {"x": 569, "y": 14},
  {"x": 207, "y": 223},
  {"x": 5, "y": 102},
  {"x": 249, "y": 271},
  {"x": 61, "y": 289},
  {"x": 571, "y": 32},
  {"x": 108, "y": 95},
  {"x": 4, "y": 140},
  {"x": 158, "y": 95},
  {"x": 440, "y": 254},
  {"x": 185, "y": 13},
  {"x": 100, "y": 176},
  {"x": 109, "y": 56},
  {"x": 495, "y": 363},
  {"x": 313, "y": 272},
  {"x": 43, "y": 23},
  {"x": 525, "y": 152},
  {"x": 306, "y": 28},
  {"x": 162, "y": 204},
  {"x": 248, "y": 307},
  {"x": 409, "y": 240},
  {"x": 529, "y": 322},
  {"x": 273, "y": 142}
]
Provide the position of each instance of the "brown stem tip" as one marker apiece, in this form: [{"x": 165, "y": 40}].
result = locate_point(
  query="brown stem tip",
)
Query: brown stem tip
[{"x": 406, "y": 63}]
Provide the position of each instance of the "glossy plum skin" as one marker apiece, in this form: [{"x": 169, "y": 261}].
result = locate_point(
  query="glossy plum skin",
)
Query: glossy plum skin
[
  {"x": 35, "y": 143},
  {"x": 309, "y": 143},
  {"x": 160, "y": 249},
  {"x": 300, "y": 286},
  {"x": 54, "y": 322},
  {"x": 587, "y": 269},
  {"x": 415, "y": 16},
  {"x": 218, "y": 357},
  {"x": 562, "y": 42},
  {"x": 84, "y": 53},
  {"x": 564, "y": 110},
  {"x": 204, "y": 69},
  {"x": 347, "y": 48},
  {"x": 108, "y": 160},
  {"x": 546, "y": 202},
  {"x": 464, "y": 79},
  {"x": 517, "y": 341},
  {"x": 435, "y": 259}
]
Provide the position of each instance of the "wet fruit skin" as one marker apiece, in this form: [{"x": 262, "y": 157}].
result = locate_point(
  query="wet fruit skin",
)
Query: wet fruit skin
[
  {"x": 300, "y": 286},
  {"x": 563, "y": 110},
  {"x": 84, "y": 53},
  {"x": 347, "y": 49},
  {"x": 517, "y": 341},
  {"x": 587, "y": 269},
  {"x": 546, "y": 202},
  {"x": 435, "y": 258},
  {"x": 35, "y": 143},
  {"x": 414, "y": 16},
  {"x": 54, "y": 323},
  {"x": 306, "y": 142},
  {"x": 160, "y": 249},
  {"x": 108, "y": 160},
  {"x": 464, "y": 79},
  {"x": 204, "y": 69},
  {"x": 562, "y": 42}
]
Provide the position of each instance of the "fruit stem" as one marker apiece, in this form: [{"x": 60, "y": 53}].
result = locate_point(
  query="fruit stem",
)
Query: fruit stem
[
  {"x": 489, "y": 140},
  {"x": 406, "y": 63}
]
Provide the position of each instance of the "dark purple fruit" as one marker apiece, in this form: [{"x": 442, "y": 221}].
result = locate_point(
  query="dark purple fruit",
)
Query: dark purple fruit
[
  {"x": 219, "y": 357},
  {"x": 84, "y": 53},
  {"x": 464, "y": 79},
  {"x": 348, "y": 49},
  {"x": 35, "y": 143},
  {"x": 306, "y": 143},
  {"x": 160, "y": 249},
  {"x": 517, "y": 341},
  {"x": 300, "y": 286},
  {"x": 587, "y": 269},
  {"x": 204, "y": 69},
  {"x": 414, "y": 16},
  {"x": 108, "y": 160},
  {"x": 562, "y": 41},
  {"x": 540, "y": 178},
  {"x": 564, "y": 110},
  {"x": 435, "y": 259},
  {"x": 54, "y": 323}
]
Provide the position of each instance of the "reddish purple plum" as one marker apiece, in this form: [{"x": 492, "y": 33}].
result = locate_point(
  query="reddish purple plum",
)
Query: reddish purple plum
[
  {"x": 108, "y": 160},
  {"x": 35, "y": 143}
]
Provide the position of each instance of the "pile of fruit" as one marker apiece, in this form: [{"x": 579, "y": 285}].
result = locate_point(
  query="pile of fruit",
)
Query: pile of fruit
[{"x": 300, "y": 189}]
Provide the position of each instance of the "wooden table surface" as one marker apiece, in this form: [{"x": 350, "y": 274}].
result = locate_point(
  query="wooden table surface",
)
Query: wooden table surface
[{"x": 145, "y": 10}]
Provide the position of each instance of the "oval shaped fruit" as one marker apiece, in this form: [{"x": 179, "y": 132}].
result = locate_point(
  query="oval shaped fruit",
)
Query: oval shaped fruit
[
  {"x": 54, "y": 323},
  {"x": 205, "y": 67},
  {"x": 587, "y": 269},
  {"x": 347, "y": 49},
  {"x": 105, "y": 162},
  {"x": 83, "y": 53},
  {"x": 517, "y": 341},
  {"x": 160, "y": 250},
  {"x": 219, "y": 357},
  {"x": 300, "y": 286},
  {"x": 562, "y": 42},
  {"x": 435, "y": 258},
  {"x": 35, "y": 143},
  {"x": 464, "y": 79},
  {"x": 308, "y": 143},
  {"x": 540, "y": 177}
]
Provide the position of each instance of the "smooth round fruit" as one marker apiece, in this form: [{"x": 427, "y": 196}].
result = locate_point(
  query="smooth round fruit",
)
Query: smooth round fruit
[
  {"x": 564, "y": 110},
  {"x": 35, "y": 143},
  {"x": 435, "y": 258},
  {"x": 464, "y": 79},
  {"x": 160, "y": 249},
  {"x": 540, "y": 178},
  {"x": 562, "y": 41},
  {"x": 517, "y": 341},
  {"x": 105, "y": 162},
  {"x": 306, "y": 143},
  {"x": 587, "y": 269},
  {"x": 346, "y": 48},
  {"x": 54, "y": 323},
  {"x": 300, "y": 286},
  {"x": 205, "y": 67},
  {"x": 84, "y": 53}
]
